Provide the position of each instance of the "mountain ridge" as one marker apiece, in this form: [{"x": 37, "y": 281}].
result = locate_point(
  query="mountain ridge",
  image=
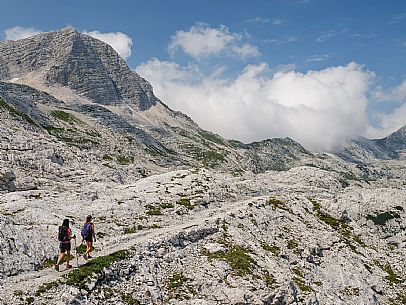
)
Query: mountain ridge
[{"x": 361, "y": 150}]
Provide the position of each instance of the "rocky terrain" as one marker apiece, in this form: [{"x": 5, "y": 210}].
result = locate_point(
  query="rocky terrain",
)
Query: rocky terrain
[{"x": 182, "y": 215}]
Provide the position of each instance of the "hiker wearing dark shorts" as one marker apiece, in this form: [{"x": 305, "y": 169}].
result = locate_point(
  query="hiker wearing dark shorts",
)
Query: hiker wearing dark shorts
[
  {"x": 89, "y": 235},
  {"x": 64, "y": 236}
]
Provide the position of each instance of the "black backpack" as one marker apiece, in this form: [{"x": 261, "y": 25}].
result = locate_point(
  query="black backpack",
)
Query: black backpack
[{"x": 63, "y": 233}]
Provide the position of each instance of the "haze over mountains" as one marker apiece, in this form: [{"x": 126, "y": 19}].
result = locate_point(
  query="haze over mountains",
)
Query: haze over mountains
[{"x": 198, "y": 219}]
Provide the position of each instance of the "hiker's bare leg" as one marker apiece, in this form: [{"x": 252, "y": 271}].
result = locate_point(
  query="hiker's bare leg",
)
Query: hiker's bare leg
[
  {"x": 88, "y": 247},
  {"x": 60, "y": 258},
  {"x": 67, "y": 257}
]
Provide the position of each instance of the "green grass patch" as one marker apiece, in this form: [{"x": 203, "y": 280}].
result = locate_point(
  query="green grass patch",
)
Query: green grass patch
[
  {"x": 269, "y": 279},
  {"x": 212, "y": 158},
  {"x": 166, "y": 205},
  {"x": 78, "y": 277},
  {"x": 279, "y": 204},
  {"x": 46, "y": 286},
  {"x": 237, "y": 257},
  {"x": 186, "y": 203},
  {"x": 211, "y": 137},
  {"x": 124, "y": 160},
  {"x": 270, "y": 248},
  {"x": 368, "y": 267},
  {"x": 128, "y": 299},
  {"x": 156, "y": 208},
  {"x": 69, "y": 136},
  {"x": 292, "y": 244},
  {"x": 297, "y": 271},
  {"x": 176, "y": 281},
  {"x": 64, "y": 116},
  {"x": 107, "y": 157},
  {"x": 18, "y": 293},
  {"x": 15, "y": 112},
  {"x": 400, "y": 298},
  {"x": 299, "y": 280},
  {"x": 351, "y": 291},
  {"x": 178, "y": 285},
  {"x": 358, "y": 240},
  {"x": 137, "y": 228},
  {"x": 153, "y": 210},
  {"x": 392, "y": 277}
]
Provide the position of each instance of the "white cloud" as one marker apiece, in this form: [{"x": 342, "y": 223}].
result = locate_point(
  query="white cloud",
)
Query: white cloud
[
  {"x": 388, "y": 122},
  {"x": 326, "y": 35},
  {"x": 118, "y": 41},
  {"x": 258, "y": 20},
  {"x": 246, "y": 50},
  {"x": 316, "y": 58},
  {"x": 277, "y": 21},
  {"x": 396, "y": 94},
  {"x": 203, "y": 41},
  {"x": 320, "y": 109},
  {"x": 18, "y": 32},
  {"x": 281, "y": 40},
  {"x": 397, "y": 18}
]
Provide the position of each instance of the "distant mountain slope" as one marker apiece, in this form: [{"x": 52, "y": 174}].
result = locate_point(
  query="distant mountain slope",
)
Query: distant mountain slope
[{"x": 362, "y": 149}]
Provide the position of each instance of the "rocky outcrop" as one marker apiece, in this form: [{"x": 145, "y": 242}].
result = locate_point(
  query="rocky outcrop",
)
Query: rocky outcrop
[
  {"x": 7, "y": 180},
  {"x": 22, "y": 247},
  {"x": 286, "y": 237}
]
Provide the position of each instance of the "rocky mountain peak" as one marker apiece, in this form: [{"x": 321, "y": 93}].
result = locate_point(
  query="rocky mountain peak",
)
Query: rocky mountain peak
[
  {"x": 396, "y": 140},
  {"x": 68, "y": 58}
]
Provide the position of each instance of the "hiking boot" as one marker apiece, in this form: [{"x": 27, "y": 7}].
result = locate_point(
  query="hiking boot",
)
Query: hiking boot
[
  {"x": 88, "y": 256},
  {"x": 84, "y": 256},
  {"x": 56, "y": 267},
  {"x": 68, "y": 267}
]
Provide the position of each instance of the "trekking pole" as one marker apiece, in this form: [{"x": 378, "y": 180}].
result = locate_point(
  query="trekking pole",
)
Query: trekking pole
[{"x": 76, "y": 254}]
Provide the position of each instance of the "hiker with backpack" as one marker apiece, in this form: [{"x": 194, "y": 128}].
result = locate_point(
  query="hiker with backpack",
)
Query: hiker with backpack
[
  {"x": 88, "y": 235},
  {"x": 64, "y": 236}
]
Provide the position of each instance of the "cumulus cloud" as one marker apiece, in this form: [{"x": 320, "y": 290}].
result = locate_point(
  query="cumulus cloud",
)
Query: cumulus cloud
[
  {"x": 202, "y": 41},
  {"x": 118, "y": 41},
  {"x": 319, "y": 109},
  {"x": 18, "y": 32}
]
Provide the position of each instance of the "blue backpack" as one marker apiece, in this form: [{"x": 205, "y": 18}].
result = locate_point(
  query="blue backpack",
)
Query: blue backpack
[{"x": 87, "y": 231}]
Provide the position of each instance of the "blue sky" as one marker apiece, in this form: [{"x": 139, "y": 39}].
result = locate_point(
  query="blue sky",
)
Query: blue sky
[{"x": 273, "y": 36}]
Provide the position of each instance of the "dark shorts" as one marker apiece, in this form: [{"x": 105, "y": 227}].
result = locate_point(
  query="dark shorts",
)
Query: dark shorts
[
  {"x": 89, "y": 238},
  {"x": 63, "y": 247}
]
